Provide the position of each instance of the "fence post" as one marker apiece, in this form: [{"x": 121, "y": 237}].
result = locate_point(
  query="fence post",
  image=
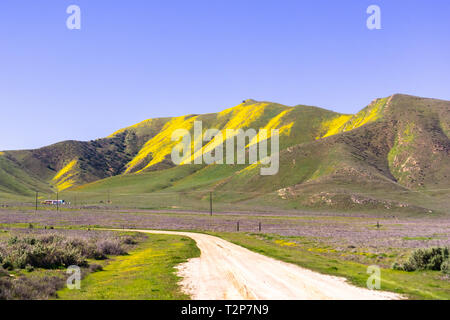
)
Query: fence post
[
  {"x": 237, "y": 228},
  {"x": 57, "y": 201},
  {"x": 210, "y": 204},
  {"x": 36, "y": 202},
  {"x": 259, "y": 227}
]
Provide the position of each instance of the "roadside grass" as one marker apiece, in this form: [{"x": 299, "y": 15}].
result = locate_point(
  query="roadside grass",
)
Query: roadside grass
[
  {"x": 307, "y": 252},
  {"x": 33, "y": 261},
  {"x": 413, "y": 285},
  {"x": 147, "y": 273}
]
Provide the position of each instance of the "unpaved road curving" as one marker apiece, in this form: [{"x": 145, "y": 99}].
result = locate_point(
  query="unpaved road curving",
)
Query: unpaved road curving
[{"x": 226, "y": 271}]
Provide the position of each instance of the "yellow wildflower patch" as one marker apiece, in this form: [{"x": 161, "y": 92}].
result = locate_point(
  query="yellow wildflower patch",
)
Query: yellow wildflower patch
[
  {"x": 64, "y": 179},
  {"x": 344, "y": 123},
  {"x": 285, "y": 243},
  {"x": 160, "y": 146}
]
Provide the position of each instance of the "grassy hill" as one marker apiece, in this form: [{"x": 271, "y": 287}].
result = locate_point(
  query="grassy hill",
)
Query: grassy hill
[{"x": 392, "y": 155}]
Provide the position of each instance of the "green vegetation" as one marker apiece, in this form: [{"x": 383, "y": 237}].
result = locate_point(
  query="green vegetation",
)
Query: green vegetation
[
  {"x": 302, "y": 252},
  {"x": 391, "y": 156},
  {"x": 436, "y": 259},
  {"x": 15, "y": 181},
  {"x": 33, "y": 261},
  {"x": 417, "y": 238},
  {"x": 147, "y": 273}
]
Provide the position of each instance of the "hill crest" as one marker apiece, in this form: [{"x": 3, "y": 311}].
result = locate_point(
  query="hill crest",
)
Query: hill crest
[{"x": 396, "y": 142}]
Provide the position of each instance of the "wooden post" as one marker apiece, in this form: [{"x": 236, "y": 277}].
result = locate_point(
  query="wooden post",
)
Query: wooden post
[
  {"x": 237, "y": 228},
  {"x": 210, "y": 204},
  {"x": 36, "y": 202},
  {"x": 260, "y": 227},
  {"x": 57, "y": 201}
]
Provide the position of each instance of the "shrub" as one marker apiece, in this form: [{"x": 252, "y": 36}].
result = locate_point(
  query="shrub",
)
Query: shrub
[
  {"x": 425, "y": 259},
  {"x": 397, "y": 266},
  {"x": 110, "y": 247},
  {"x": 129, "y": 240},
  {"x": 445, "y": 266},
  {"x": 7, "y": 265},
  {"x": 3, "y": 272},
  {"x": 29, "y": 288},
  {"x": 13, "y": 240},
  {"x": 95, "y": 267},
  {"x": 47, "y": 252},
  {"x": 51, "y": 251},
  {"x": 30, "y": 241}
]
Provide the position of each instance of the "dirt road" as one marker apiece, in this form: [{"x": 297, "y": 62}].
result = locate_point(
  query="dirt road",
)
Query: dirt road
[{"x": 226, "y": 271}]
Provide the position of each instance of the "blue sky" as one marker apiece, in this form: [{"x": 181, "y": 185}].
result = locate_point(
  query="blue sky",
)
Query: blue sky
[{"x": 138, "y": 59}]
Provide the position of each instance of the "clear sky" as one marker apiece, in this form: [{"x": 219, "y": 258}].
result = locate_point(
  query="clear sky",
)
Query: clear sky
[{"x": 138, "y": 59}]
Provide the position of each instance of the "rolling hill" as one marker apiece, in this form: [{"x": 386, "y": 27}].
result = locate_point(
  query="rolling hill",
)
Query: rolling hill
[{"x": 393, "y": 154}]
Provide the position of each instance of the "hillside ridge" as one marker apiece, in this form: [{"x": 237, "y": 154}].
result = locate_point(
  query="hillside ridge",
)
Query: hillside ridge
[{"x": 400, "y": 141}]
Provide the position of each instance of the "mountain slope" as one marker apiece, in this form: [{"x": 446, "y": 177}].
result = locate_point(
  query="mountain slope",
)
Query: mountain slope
[
  {"x": 392, "y": 149},
  {"x": 381, "y": 157},
  {"x": 13, "y": 179},
  {"x": 147, "y": 146}
]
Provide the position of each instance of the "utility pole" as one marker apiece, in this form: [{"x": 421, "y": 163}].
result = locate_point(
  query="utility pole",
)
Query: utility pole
[
  {"x": 36, "y": 202},
  {"x": 210, "y": 204}
]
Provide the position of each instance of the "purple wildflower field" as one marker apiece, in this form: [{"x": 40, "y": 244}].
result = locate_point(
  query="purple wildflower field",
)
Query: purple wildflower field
[{"x": 357, "y": 230}]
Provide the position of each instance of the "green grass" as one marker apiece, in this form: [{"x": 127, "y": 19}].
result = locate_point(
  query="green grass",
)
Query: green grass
[
  {"x": 140, "y": 183},
  {"x": 15, "y": 181},
  {"x": 147, "y": 273},
  {"x": 414, "y": 285},
  {"x": 418, "y": 238}
]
